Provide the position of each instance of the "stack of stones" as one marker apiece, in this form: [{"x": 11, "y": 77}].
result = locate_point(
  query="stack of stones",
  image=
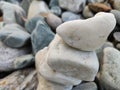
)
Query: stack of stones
[{"x": 71, "y": 58}]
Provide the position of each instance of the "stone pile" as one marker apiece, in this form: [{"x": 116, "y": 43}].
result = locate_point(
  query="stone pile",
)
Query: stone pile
[{"x": 71, "y": 58}]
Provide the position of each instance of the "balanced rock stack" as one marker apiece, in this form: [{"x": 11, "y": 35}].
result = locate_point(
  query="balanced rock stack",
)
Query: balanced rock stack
[{"x": 71, "y": 58}]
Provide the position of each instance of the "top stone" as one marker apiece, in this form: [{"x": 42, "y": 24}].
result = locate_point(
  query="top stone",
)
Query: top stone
[{"x": 89, "y": 34}]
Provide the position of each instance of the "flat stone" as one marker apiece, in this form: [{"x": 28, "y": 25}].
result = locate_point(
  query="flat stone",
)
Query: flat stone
[
  {"x": 14, "y": 36},
  {"x": 75, "y": 33},
  {"x": 20, "y": 80},
  {"x": 47, "y": 85},
  {"x": 31, "y": 23},
  {"x": 41, "y": 36},
  {"x": 69, "y": 16},
  {"x": 12, "y": 13},
  {"x": 24, "y": 61},
  {"x": 53, "y": 21},
  {"x": 109, "y": 74},
  {"x": 56, "y": 10},
  {"x": 117, "y": 15},
  {"x": 72, "y": 62},
  {"x": 38, "y": 7},
  {"x": 8, "y": 56},
  {"x": 49, "y": 74},
  {"x": 87, "y": 13},
  {"x": 99, "y": 7},
  {"x": 72, "y": 5},
  {"x": 86, "y": 86}
]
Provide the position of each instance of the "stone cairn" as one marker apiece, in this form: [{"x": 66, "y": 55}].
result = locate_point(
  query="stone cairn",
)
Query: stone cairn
[{"x": 70, "y": 58}]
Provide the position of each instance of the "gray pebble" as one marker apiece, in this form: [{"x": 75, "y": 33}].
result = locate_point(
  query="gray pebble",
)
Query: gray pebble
[
  {"x": 41, "y": 36},
  {"x": 14, "y": 36},
  {"x": 68, "y": 16}
]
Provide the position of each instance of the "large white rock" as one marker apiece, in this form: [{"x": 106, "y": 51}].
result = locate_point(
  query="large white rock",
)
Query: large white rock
[
  {"x": 72, "y": 62},
  {"x": 73, "y": 5},
  {"x": 45, "y": 71},
  {"x": 89, "y": 34},
  {"x": 37, "y": 7},
  {"x": 110, "y": 72}
]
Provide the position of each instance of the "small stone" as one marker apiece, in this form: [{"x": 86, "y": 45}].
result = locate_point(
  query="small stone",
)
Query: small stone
[
  {"x": 109, "y": 74},
  {"x": 51, "y": 75},
  {"x": 75, "y": 33},
  {"x": 47, "y": 85},
  {"x": 14, "y": 36},
  {"x": 99, "y": 7},
  {"x": 20, "y": 80},
  {"x": 68, "y": 16},
  {"x": 72, "y": 5},
  {"x": 53, "y": 3},
  {"x": 117, "y": 15},
  {"x": 72, "y": 62},
  {"x": 38, "y": 7},
  {"x": 56, "y": 10},
  {"x": 118, "y": 46},
  {"x": 41, "y": 36},
  {"x": 87, "y": 13},
  {"x": 24, "y": 61},
  {"x": 53, "y": 20},
  {"x": 86, "y": 86},
  {"x": 12, "y": 13},
  {"x": 115, "y": 4},
  {"x": 116, "y": 36},
  {"x": 31, "y": 23},
  {"x": 8, "y": 56}
]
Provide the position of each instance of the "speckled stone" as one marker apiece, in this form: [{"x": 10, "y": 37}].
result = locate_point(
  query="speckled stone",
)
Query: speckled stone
[
  {"x": 41, "y": 36},
  {"x": 109, "y": 74},
  {"x": 9, "y": 55},
  {"x": 20, "y": 80}
]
